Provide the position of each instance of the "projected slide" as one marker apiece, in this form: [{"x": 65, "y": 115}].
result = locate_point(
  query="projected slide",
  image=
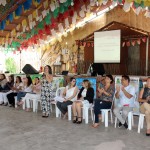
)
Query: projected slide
[{"x": 107, "y": 46}]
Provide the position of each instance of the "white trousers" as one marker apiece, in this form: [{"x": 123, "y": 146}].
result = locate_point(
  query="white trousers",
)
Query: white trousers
[
  {"x": 3, "y": 97},
  {"x": 29, "y": 97}
]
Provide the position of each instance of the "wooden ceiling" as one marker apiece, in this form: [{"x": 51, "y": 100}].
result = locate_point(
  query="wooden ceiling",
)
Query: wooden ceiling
[
  {"x": 127, "y": 32},
  {"x": 12, "y": 25}
]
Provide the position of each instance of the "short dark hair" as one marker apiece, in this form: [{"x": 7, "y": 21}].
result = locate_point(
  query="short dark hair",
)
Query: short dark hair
[
  {"x": 49, "y": 69},
  {"x": 110, "y": 77},
  {"x": 126, "y": 77}
]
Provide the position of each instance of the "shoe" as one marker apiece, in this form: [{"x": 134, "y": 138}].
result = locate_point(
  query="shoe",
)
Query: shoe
[
  {"x": 125, "y": 125},
  {"x": 119, "y": 125},
  {"x": 44, "y": 115},
  {"x": 79, "y": 122},
  {"x": 147, "y": 134},
  {"x": 75, "y": 120},
  {"x": 28, "y": 110}
]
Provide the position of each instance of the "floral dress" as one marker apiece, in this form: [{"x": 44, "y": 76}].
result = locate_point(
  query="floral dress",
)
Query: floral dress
[{"x": 47, "y": 94}]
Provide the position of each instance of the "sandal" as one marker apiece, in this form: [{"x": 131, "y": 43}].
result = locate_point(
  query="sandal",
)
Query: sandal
[
  {"x": 75, "y": 119},
  {"x": 44, "y": 115},
  {"x": 79, "y": 121},
  {"x": 95, "y": 126},
  {"x": 28, "y": 110}
]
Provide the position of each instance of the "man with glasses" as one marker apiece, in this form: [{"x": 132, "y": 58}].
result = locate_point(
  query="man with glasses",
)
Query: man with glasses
[{"x": 125, "y": 94}]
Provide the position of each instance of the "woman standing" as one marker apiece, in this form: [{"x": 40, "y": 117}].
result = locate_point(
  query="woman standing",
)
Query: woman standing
[
  {"x": 69, "y": 94},
  {"x": 144, "y": 99},
  {"x": 46, "y": 91},
  {"x": 105, "y": 98},
  {"x": 85, "y": 97}
]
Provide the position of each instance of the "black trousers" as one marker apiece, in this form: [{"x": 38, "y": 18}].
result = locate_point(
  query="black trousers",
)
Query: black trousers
[
  {"x": 11, "y": 98},
  {"x": 63, "y": 106},
  {"x": 98, "y": 105}
]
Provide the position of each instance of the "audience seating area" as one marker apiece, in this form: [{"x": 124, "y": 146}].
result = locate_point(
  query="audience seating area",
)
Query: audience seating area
[{"x": 85, "y": 109}]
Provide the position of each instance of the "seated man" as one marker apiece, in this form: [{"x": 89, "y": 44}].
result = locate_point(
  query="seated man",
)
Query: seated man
[{"x": 125, "y": 94}]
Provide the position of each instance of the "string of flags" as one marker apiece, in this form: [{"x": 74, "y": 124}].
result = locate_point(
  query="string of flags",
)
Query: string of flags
[{"x": 43, "y": 27}]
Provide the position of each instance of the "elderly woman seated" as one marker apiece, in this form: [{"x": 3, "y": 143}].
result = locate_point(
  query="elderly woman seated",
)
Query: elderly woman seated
[{"x": 105, "y": 98}]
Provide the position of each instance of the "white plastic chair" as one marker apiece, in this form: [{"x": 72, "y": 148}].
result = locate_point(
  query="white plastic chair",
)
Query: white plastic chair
[
  {"x": 130, "y": 117},
  {"x": 105, "y": 116},
  {"x": 23, "y": 106},
  {"x": 130, "y": 120},
  {"x": 59, "y": 92},
  {"x": 85, "y": 114},
  {"x": 35, "y": 104},
  {"x": 141, "y": 122}
]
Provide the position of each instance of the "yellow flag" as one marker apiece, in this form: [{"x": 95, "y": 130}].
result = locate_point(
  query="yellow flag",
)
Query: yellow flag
[
  {"x": 18, "y": 27},
  {"x": 46, "y": 4},
  {"x": 35, "y": 13},
  {"x": 147, "y": 2},
  {"x": 7, "y": 22},
  {"x": 24, "y": 22},
  {"x": 7, "y": 36}
]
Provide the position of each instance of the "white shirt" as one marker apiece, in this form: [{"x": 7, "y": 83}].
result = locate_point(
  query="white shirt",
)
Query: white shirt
[
  {"x": 70, "y": 92},
  {"x": 28, "y": 89},
  {"x": 127, "y": 101},
  {"x": 84, "y": 92}
]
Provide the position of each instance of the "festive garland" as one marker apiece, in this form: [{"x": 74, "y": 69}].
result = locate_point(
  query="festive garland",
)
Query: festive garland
[{"x": 64, "y": 10}]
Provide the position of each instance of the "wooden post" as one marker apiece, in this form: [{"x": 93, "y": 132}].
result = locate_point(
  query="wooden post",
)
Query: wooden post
[{"x": 147, "y": 48}]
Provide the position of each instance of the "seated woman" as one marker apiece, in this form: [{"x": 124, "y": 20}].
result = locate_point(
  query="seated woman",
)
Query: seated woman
[
  {"x": 15, "y": 89},
  {"x": 27, "y": 88},
  {"x": 104, "y": 101},
  {"x": 3, "y": 82},
  {"x": 85, "y": 97},
  {"x": 36, "y": 88},
  {"x": 144, "y": 99},
  {"x": 69, "y": 95},
  {"x": 6, "y": 90}
]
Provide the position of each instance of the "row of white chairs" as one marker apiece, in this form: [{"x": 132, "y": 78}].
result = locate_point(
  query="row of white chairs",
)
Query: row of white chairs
[{"x": 85, "y": 112}]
